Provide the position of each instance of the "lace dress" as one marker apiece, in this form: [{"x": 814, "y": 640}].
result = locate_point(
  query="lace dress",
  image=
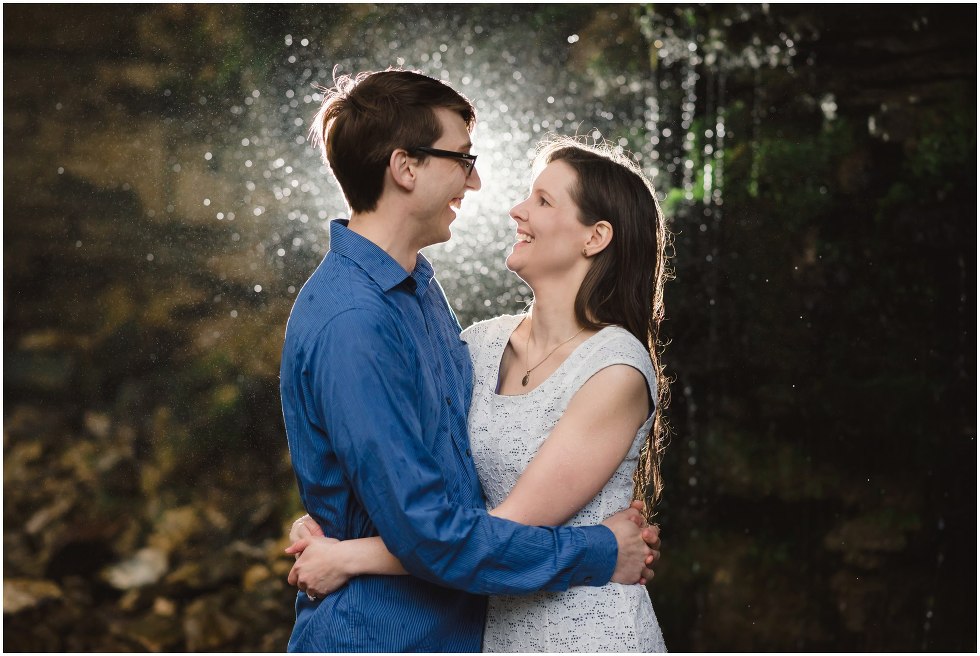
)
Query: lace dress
[{"x": 506, "y": 432}]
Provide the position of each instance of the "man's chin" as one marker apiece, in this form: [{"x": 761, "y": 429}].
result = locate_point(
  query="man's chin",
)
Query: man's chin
[{"x": 442, "y": 238}]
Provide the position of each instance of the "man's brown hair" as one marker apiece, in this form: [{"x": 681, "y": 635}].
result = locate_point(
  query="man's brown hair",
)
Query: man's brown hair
[{"x": 366, "y": 117}]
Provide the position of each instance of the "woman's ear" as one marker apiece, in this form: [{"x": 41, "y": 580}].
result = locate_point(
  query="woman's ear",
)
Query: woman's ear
[
  {"x": 599, "y": 238},
  {"x": 401, "y": 167}
]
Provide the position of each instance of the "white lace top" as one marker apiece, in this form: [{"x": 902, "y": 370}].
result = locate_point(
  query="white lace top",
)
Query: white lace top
[{"x": 506, "y": 432}]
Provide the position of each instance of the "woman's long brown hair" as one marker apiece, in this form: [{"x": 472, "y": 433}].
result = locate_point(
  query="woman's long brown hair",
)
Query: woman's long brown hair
[{"x": 625, "y": 285}]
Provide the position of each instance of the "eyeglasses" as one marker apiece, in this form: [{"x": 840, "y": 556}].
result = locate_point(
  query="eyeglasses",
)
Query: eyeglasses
[{"x": 465, "y": 159}]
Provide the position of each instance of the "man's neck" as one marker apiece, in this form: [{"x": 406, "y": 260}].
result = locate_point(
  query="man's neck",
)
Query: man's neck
[{"x": 389, "y": 232}]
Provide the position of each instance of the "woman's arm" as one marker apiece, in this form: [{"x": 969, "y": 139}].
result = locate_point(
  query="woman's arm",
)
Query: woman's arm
[
  {"x": 582, "y": 452},
  {"x": 579, "y": 457},
  {"x": 325, "y": 564}
]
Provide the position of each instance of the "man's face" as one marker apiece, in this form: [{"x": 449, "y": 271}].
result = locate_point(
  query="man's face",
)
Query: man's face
[{"x": 443, "y": 181}]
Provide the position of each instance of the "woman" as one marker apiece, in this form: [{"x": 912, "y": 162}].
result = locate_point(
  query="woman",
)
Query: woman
[{"x": 565, "y": 421}]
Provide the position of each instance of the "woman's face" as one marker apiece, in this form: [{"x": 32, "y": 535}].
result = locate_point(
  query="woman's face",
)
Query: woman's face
[{"x": 550, "y": 238}]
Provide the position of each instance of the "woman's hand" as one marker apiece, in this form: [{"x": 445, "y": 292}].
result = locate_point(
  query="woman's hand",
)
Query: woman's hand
[
  {"x": 321, "y": 565},
  {"x": 304, "y": 527}
]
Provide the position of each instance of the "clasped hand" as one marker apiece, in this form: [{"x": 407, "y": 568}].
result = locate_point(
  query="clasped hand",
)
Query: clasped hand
[
  {"x": 325, "y": 564},
  {"x": 317, "y": 570},
  {"x": 638, "y": 542}
]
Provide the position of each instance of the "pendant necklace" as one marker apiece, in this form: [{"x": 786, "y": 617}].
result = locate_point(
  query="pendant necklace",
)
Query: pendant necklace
[{"x": 527, "y": 350}]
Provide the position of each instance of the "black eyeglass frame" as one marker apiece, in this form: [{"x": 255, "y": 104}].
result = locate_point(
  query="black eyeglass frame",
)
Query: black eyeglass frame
[{"x": 468, "y": 160}]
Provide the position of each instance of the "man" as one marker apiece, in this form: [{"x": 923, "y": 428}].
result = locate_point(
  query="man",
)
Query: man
[{"x": 376, "y": 384}]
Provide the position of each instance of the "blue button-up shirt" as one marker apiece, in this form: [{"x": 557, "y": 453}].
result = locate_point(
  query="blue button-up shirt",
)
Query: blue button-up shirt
[{"x": 376, "y": 385}]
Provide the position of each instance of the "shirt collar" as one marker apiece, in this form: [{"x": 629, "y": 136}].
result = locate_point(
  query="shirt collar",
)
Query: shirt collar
[{"x": 380, "y": 267}]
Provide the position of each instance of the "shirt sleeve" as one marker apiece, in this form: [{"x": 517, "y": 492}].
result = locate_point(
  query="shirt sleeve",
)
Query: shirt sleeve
[{"x": 363, "y": 378}]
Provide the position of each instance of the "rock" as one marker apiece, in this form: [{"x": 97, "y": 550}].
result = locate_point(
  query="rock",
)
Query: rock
[
  {"x": 189, "y": 575},
  {"x": 131, "y": 600},
  {"x": 165, "y": 607},
  {"x": 153, "y": 632},
  {"x": 145, "y": 567},
  {"x": 44, "y": 517},
  {"x": 16, "y": 461},
  {"x": 207, "y": 626},
  {"x": 98, "y": 424},
  {"x": 217, "y": 519},
  {"x": 47, "y": 371},
  {"x": 175, "y": 528},
  {"x": 21, "y": 594},
  {"x": 41, "y": 340},
  {"x": 254, "y": 576},
  {"x": 24, "y": 423}
]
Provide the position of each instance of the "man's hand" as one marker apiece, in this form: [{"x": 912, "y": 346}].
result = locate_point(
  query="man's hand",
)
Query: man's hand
[{"x": 634, "y": 555}]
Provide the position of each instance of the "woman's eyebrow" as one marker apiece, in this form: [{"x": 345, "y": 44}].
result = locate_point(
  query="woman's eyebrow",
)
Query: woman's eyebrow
[{"x": 543, "y": 192}]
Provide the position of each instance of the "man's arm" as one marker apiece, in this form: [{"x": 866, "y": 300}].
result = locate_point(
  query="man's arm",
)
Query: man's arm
[
  {"x": 403, "y": 491},
  {"x": 578, "y": 458}
]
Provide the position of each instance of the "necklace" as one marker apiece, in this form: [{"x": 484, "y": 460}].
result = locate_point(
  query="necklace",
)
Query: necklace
[{"x": 527, "y": 350}]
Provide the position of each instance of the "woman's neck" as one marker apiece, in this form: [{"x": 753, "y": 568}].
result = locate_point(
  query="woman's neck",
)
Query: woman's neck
[{"x": 553, "y": 314}]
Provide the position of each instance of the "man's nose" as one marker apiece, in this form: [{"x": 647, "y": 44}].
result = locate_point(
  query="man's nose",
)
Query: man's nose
[{"x": 473, "y": 180}]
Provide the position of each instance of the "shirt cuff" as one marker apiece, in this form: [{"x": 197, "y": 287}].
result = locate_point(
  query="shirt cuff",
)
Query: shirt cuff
[{"x": 599, "y": 563}]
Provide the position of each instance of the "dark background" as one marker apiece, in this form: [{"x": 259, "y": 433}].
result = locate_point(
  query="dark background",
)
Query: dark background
[{"x": 818, "y": 169}]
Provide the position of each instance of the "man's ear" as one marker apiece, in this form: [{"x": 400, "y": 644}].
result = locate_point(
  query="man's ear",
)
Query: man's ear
[
  {"x": 599, "y": 238},
  {"x": 401, "y": 167}
]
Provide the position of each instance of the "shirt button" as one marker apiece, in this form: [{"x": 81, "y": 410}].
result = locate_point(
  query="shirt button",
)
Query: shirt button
[
  {"x": 588, "y": 579},
  {"x": 448, "y": 401},
  {"x": 469, "y": 453}
]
